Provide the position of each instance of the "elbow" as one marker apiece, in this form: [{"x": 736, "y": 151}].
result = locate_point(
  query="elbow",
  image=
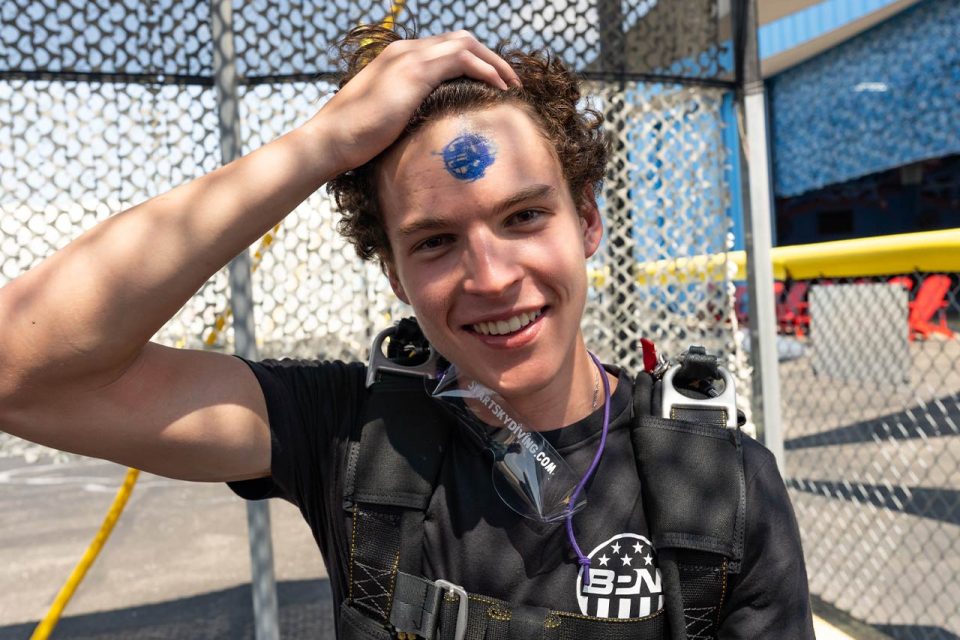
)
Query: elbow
[
  {"x": 13, "y": 371},
  {"x": 12, "y": 394},
  {"x": 9, "y": 386},
  {"x": 8, "y": 356}
]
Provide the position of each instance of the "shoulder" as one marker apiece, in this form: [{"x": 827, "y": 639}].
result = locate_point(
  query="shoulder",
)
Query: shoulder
[
  {"x": 311, "y": 398},
  {"x": 312, "y": 406},
  {"x": 309, "y": 367},
  {"x": 759, "y": 464},
  {"x": 299, "y": 377}
]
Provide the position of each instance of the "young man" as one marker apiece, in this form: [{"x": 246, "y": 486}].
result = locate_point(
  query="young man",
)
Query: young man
[{"x": 477, "y": 196}]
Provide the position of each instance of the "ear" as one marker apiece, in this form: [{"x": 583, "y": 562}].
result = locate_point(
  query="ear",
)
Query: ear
[
  {"x": 590, "y": 221},
  {"x": 391, "y": 273}
]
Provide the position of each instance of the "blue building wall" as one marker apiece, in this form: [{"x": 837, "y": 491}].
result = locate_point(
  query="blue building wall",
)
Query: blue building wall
[
  {"x": 889, "y": 97},
  {"x": 797, "y": 28}
]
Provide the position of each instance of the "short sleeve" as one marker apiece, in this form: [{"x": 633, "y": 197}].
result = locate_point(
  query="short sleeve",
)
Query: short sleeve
[
  {"x": 770, "y": 596},
  {"x": 311, "y": 407}
]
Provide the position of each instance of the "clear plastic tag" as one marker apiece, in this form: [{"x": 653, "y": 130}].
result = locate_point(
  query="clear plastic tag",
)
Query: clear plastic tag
[{"x": 529, "y": 475}]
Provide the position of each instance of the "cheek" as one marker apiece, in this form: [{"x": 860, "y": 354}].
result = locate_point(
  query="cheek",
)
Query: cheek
[{"x": 429, "y": 294}]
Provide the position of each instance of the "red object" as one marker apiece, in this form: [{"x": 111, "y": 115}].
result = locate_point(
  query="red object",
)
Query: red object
[
  {"x": 792, "y": 316},
  {"x": 904, "y": 281},
  {"x": 907, "y": 283},
  {"x": 930, "y": 300},
  {"x": 649, "y": 355}
]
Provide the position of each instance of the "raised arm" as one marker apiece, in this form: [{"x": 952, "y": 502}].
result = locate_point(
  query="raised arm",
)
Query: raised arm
[{"x": 76, "y": 369}]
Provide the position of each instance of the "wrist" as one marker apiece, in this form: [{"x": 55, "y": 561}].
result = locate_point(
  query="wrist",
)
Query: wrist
[{"x": 322, "y": 147}]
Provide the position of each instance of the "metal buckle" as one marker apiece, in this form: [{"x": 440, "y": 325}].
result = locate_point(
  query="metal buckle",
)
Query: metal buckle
[
  {"x": 461, "y": 629},
  {"x": 725, "y": 401},
  {"x": 380, "y": 362}
]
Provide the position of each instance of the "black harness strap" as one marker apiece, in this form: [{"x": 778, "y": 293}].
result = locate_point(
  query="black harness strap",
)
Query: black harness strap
[
  {"x": 416, "y": 602},
  {"x": 390, "y": 475},
  {"x": 694, "y": 492},
  {"x": 374, "y": 558},
  {"x": 393, "y": 460},
  {"x": 693, "y": 486},
  {"x": 703, "y": 587}
]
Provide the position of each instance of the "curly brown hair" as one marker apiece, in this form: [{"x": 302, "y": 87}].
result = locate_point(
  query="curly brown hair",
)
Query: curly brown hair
[{"x": 549, "y": 94}]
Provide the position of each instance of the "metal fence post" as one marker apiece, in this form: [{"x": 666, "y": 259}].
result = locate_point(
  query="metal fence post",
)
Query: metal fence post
[
  {"x": 617, "y": 208},
  {"x": 758, "y": 209},
  {"x": 265, "y": 609}
]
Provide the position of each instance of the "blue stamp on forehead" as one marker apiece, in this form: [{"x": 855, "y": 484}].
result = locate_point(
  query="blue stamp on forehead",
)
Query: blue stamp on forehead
[{"x": 467, "y": 156}]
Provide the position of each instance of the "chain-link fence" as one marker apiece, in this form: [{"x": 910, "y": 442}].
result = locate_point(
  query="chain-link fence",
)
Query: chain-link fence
[
  {"x": 870, "y": 384},
  {"x": 103, "y": 105}
]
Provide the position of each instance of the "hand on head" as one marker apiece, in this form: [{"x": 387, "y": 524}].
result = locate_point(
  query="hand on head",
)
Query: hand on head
[{"x": 372, "y": 109}]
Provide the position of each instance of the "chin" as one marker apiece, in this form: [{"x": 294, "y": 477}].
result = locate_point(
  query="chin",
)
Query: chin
[{"x": 525, "y": 379}]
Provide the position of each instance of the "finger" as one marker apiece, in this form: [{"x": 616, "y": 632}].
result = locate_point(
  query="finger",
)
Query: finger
[
  {"x": 467, "y": 40},
  {"x": 455, "y": 58},
  {"x": 482, "y": 70},
  {"x": 502, "y": 67}
]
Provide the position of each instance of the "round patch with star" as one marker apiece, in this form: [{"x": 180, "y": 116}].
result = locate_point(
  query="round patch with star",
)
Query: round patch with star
[{"x": 624, "y": 579}]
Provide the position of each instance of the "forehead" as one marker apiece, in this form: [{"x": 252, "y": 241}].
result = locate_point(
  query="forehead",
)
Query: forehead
[{"x": 466, "y": 161}]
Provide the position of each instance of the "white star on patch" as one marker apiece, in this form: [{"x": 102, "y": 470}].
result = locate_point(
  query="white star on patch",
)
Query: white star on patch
[
  {"x": 615, "y": 547},
  {"x": 603, "y": 560},
  {"x": 648, "y": 559},
  {"x": 626, "y": 560},
  {"x": 638, "y": 548}
]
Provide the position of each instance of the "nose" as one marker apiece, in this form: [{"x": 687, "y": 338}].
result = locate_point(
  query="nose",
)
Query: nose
[{"x": 492, "y": 265}]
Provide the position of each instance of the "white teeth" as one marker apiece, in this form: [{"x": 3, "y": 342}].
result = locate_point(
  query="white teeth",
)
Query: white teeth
[{"x": 501, "y": 327}]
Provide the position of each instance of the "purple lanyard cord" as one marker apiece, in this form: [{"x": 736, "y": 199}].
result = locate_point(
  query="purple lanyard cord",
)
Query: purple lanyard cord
[{"x": 582, "y": 559}]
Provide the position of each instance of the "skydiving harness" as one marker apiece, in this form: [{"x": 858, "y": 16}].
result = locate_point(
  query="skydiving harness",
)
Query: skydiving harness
[{"x": 691, "y": 472}]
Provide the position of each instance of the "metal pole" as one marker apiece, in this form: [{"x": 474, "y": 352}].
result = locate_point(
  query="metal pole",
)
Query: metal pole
[
  {"x": 265, "y": 610},
  {"x": 617, "y": 207},
  {"x": 758, "y": 207}
]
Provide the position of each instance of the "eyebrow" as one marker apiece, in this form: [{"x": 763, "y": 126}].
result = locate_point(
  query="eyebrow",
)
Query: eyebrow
[{"x": 533, "y": 192}]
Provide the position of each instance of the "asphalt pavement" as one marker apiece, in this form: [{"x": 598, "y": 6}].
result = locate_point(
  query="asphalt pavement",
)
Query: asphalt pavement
[{"x": 176, "y": 566}]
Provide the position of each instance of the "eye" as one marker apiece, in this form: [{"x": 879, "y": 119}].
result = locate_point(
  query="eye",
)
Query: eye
[
  {"x": 527, "y": 216},
  {"x": 433, "y": 243}
]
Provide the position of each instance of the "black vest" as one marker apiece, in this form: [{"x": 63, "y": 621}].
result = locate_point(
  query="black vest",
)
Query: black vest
[{"x": 693, "y": 492}]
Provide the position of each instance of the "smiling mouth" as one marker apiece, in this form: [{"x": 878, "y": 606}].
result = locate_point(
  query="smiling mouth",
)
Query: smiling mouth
[{"x": 510, "y": 325}]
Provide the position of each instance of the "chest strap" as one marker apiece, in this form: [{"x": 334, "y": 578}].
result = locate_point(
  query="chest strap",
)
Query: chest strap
[{"x": 441, "y": 611}]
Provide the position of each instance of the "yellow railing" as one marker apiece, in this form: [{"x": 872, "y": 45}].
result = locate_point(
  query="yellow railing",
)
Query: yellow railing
[{"x": 924, "y": 252}]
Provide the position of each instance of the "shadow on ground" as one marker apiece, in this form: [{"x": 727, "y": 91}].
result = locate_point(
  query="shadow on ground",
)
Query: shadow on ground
[
  {"x": 305, "y": 612},
  {"x": 937, "y": 504},
  {"x": 909, "y": 632}
]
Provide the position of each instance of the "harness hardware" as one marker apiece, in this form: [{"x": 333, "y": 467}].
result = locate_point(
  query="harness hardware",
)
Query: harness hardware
[
  {"x": 724, "y": 401},
  {"x": 454, "y": 589},
  {"x": 379, "y": 362}
]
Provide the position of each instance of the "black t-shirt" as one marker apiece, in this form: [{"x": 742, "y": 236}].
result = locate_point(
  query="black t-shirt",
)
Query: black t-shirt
[{"x": 472, "y": 539}]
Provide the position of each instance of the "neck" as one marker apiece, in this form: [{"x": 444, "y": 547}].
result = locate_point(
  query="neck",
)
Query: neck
[{"x": 568, "y": 397}]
